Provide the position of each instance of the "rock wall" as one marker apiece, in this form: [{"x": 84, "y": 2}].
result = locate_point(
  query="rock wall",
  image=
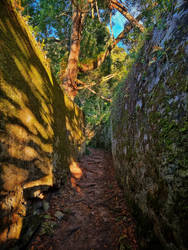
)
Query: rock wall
[
  {"x": 149, "y": 135},
  {"x": 41, "y": 130}
]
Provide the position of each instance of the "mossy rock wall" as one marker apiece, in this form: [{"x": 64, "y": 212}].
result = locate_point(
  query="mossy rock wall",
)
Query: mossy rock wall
[
  {"x": 41, "y": 130},
  {"x": 149, "y": 136}
]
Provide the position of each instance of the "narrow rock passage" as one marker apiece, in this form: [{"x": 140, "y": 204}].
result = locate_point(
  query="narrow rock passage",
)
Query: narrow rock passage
[{"x": 89, "y": 212}]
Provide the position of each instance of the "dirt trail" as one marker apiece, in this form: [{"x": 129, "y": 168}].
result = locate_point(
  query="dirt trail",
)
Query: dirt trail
[{"x": 89, "y": 212}]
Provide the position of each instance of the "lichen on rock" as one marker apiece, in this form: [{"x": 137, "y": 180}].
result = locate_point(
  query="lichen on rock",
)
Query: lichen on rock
[
  {"x": 149, "y": 131},
  {"x": 41, "y": 130}
]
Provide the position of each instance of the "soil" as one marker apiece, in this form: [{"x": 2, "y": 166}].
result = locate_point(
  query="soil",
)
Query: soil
[{"x": 89, "y": 212}]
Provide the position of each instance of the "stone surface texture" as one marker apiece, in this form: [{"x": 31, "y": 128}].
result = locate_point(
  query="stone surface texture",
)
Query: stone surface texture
[
  {"x": 40, "y": 128},
  {"x": 149, "y": 135}
]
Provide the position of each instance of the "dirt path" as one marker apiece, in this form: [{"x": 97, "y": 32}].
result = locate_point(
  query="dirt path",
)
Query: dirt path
[{"x": 89, "y": 213}]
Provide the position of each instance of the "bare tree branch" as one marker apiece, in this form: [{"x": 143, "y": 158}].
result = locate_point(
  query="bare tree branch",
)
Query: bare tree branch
[
  {"x": 102, "y": 97},
  {"x": 98, "y": 14},
  {"x": 114, "y": 4},
  {"x": 65, "y": 13},
  {"x": 86, "y": 86},
  {"x": 92, "y": 10}
]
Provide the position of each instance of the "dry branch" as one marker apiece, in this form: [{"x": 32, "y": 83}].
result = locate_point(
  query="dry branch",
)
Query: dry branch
[
  {"x": 87, "y": 86},
  {"x": 118, "y": 6}
]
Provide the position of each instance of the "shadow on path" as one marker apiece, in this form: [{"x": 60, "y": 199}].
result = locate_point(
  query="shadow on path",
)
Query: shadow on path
[{"x": 89, "y": 212}]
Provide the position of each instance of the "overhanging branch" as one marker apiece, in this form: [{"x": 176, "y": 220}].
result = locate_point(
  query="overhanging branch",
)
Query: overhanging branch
[
  {"x": 95, "y": 64},
  {"x": 87, "y": 86},
  {"x": 118, "y": 6}
]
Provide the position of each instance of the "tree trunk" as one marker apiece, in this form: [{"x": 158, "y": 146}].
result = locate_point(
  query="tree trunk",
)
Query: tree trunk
[
  {"x": 78, "y": 17},
  {"x": 70, "y": 76}
]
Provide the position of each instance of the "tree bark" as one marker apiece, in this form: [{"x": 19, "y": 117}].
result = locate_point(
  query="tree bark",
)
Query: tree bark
[
  {"x": 79, "y": 13},
  {"x": 71, "y": 72}
]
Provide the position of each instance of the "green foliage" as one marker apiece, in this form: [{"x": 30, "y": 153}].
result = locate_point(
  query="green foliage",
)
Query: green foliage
[
  {"x": 97, "y": 111},
  {"x": 94, "y": 38},
  {"x": 51, "y": 21},
  {"x": 162, "y": 6},
  {"x": 167, "y": 5},
  {"x": 48, "y": 227}
]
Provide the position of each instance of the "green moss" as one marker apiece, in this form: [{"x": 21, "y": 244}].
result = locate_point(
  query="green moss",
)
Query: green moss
[
  {"x": 41, "y": 129},
  {"x": 154, "y": 164}
]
